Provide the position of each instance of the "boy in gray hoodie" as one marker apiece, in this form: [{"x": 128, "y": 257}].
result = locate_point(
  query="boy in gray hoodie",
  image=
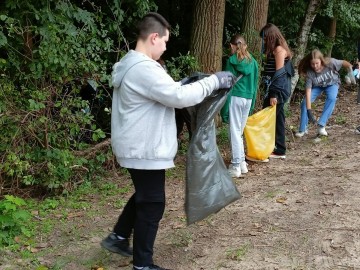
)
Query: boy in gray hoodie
[{"x": 143, "y": 135}]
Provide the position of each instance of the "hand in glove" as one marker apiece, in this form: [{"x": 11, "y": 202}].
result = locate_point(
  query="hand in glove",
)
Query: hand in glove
[
  {"x": 311, "y": 116},
  {"x": 350, "y": 74},
  {"x": 185, "y": 80},
  {"x": 226, "y": 79}
]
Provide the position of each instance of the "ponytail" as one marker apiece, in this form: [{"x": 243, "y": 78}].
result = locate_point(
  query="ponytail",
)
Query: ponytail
[{"x": 241, "y": 47}]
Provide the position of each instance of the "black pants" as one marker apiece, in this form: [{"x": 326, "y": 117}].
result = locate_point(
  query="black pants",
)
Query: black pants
[
  {"x": 142, "y": 213},
  {"x": 182, "y": 117},
  {"x": 280, "y": 144}
]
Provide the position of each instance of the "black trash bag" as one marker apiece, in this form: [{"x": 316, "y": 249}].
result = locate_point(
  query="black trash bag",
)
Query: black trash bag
[{"x": 209, "y": 187}]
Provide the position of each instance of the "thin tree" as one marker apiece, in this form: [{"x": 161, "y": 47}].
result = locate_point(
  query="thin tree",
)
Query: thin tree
[
  {"x": 332, "y": 35},
  {"x": 303, "y": 37}
]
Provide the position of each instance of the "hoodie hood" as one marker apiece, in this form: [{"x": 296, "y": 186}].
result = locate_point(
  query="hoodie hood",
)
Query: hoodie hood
[
  {"x": 243, "y": 66},
  {"x": 125, "y": 64}
]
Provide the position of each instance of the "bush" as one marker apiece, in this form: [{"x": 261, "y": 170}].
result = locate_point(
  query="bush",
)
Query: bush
[
  {"x": 14, "y": 221},
  {"x": 50, "y": 50}
]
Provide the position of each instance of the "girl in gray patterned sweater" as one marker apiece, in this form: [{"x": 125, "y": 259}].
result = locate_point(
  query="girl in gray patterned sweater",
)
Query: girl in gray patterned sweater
[{"x": 321, "y": 76}]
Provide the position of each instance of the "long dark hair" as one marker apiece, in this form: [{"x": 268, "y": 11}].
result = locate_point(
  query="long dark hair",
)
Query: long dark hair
[{"x": 272, "y": 38}]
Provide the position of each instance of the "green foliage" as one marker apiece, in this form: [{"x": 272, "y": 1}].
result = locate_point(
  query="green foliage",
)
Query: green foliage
[
  {"x": 346, "y": 12},
  {"x": 51, "y": 50},
  {"x": 233, "y": 18},
  {"x": 182, "y": 66},
  {"x": 37, "y": 140},
  {"x": 288, "y": 16},
  {"x": 14, "y": 220},
  {"x": 223, "y": 135}
]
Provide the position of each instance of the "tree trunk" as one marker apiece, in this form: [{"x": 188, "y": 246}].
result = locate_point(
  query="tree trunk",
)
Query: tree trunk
[
  {"x": 303, "y": 37},
  {"x": 255, "y": 17},
  {"x": 207, "y": 34},
  {"x": 332, "y": 35}
]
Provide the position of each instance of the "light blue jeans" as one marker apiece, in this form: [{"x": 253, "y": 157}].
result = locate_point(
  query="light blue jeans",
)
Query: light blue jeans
[
  {"x": 331, "y": 92},
  {"x": 238, "y": 114}
]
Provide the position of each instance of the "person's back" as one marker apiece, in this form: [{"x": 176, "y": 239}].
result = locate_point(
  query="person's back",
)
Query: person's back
[{"x": 242, "y": 100}]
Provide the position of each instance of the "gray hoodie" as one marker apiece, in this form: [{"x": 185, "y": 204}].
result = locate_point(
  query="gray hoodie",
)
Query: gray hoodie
[{"x": 143, "y": 128}]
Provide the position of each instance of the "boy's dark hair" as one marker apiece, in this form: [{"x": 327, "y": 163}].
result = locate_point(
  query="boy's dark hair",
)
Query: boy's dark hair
[{"x": 152, "y": 23}]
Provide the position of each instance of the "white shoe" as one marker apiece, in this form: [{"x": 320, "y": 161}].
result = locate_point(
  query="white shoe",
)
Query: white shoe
[
  {"x": 273, "y": 155},
  {"x": 234, "y": 171},
  {"x": 357, "y": 130},
  {"x": 301, "y": 134},
  {"x": 322, "y": 131},
  {"x": 243, "y": 167}
]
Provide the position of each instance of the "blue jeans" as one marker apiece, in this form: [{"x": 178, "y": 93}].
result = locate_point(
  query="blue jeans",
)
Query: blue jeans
[{"x": 331, "y": 92}]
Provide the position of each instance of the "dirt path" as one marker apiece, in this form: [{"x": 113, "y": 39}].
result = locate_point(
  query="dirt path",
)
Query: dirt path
[{"x": 301, "y": 213}]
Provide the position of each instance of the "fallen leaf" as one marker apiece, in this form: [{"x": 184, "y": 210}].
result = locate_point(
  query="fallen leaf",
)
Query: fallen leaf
[
  {"x": 32, "y": 249},
  {"x": 72, "y": 215},
  {"x": 42, "y": 245},
  {"x": 97, "y": 268},
  {"x": 281, "y": 200}
]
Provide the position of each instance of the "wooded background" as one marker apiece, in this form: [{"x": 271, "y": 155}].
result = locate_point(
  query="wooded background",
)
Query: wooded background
[{"x": 56, "y": 59}]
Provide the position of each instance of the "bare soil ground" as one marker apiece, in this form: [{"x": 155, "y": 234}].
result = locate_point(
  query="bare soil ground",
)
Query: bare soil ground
[{"x": 298, "y": 213}]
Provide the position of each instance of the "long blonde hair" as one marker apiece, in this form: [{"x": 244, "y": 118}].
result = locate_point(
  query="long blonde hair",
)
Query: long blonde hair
[
  {"x": 305, "y": 63},
  {"x": 241, "y": 47}
]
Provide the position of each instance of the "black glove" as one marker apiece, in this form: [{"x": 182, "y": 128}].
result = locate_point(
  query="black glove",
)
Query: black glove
[
  {"x": 226, "y": 79},
  {"x": 311, "y": 116},
  {"x": 185, "y": 80}
]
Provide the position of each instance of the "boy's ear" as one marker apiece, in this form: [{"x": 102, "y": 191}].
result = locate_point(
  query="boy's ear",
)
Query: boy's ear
[{"x": 153, "y": 36}]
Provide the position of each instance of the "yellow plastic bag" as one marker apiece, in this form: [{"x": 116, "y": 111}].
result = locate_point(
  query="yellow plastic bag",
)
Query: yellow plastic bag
[{"x": 260, "y": 133}]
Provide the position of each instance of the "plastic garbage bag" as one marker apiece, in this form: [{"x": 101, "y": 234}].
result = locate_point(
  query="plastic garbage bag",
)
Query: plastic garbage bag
[
  {"x": 260, "y": 133},
  {"x": 209, "y": 187}
]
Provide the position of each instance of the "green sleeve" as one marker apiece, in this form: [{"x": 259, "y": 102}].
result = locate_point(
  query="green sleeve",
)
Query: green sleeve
[
  {"x": 253, "y": 102},
  {"x": 229, "y": 67},
  {"x": 224, "y": 112},
  {"x": 256, "y": 80}
]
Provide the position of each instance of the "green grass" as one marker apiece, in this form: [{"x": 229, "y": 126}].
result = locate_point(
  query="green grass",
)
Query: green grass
[
  {"x": 237, "y": 254},
  {"x": 181, "y": 238},
  {"x": 340, "y": 120},
  {"x": 272, "y": 193},
  {"x": 222, "y": 136}
]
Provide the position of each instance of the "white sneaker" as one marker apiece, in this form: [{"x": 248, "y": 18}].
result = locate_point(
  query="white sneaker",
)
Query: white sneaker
[
  {"x": 301, "y": 134},
  {"x": 273, "y": 155},
  {"x": 243, "y": 167},
  {"x": 357, "y": 130},
  {"x": 234, "y": 171},
  {"x": 322, "y": 131}
]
